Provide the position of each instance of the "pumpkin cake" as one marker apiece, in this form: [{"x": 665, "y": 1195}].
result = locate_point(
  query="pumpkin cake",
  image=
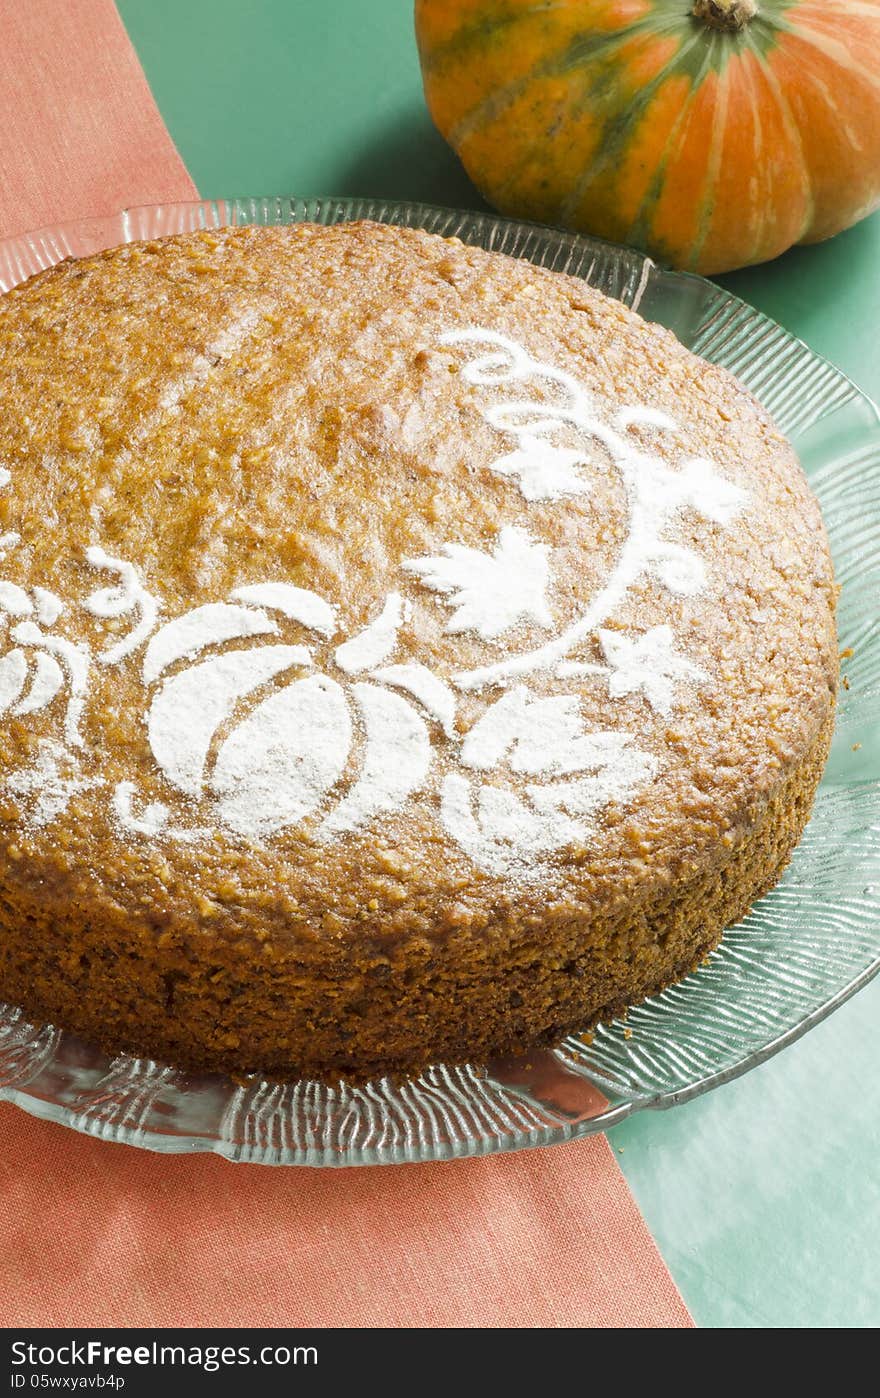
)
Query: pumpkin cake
[{"x": 408, "y": 654}]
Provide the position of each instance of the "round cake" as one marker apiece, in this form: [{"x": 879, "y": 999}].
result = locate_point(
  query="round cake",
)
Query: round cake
[{"x": 407, "y": 654}]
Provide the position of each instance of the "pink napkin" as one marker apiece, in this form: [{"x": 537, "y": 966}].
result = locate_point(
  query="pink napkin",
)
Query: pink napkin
[
  {"x": 96, "y": 1234},
  {"x": 81, "y": 135},
  {"x": 99, "y": 1234}
]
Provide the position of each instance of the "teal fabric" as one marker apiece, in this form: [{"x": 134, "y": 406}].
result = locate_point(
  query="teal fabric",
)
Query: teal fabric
[{"x": 765, "y": 1195}]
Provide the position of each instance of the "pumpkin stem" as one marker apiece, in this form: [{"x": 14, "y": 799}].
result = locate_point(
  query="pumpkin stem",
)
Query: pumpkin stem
[{"x": 729, "y": 15}]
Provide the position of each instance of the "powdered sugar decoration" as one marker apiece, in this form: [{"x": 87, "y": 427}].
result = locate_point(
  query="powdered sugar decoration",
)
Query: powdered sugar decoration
[
  {"x": 655, "y": 494},
  {"x": 376, "y": 642},
  {"x": 209, "y": 625},
  {"x": 50, "y": 784},
  {"x": 37, "y": 661},
  {"x": 435, "y": 697},
  {"x": 279, "y": 763},
  {"x": 296, "y": 603},
  {"x": 152, "y": 819},
  {"x": 500, "y": 828},
  {"x": 191, "y": 706},
  {"x": 39, "y": 669},
  {"x": 490, "y": 592},
  {"x": 539, "y": 736},
  {"x": 396, "y": 762},
  {"x": 542, "y": 469},
  {"x": 648, "y": 663},
  {"x": 506, "y": 833},
  {"x": 262, "y": 714},
  {"x": 129, "y": 595}
]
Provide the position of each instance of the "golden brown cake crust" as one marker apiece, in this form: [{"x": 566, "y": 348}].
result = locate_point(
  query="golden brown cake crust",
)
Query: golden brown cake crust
[{"x": 305, "y": 407}]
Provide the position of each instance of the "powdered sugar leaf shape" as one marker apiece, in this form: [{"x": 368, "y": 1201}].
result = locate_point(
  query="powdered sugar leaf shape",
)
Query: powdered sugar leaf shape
[
  {"x": 490, "y": 592},
  {"x": 538, "y": 736},
  {"x": 650, "y": 663},
  {"x": 296, "y": 603},
  {"x": 376, "y": 642},
  {"x": 500, "y": 831}
]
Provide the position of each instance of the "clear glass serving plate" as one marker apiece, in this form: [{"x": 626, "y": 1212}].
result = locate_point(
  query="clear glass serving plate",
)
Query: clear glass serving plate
[{"x": 800, "y": 953}]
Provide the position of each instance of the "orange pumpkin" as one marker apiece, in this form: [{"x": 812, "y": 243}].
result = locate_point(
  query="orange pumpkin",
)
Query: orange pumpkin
[{"x": 713, "y": 133}]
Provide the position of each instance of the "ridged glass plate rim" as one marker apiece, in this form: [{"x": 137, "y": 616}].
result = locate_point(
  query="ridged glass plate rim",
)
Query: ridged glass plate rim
[{"x": 52, "y": 1075}]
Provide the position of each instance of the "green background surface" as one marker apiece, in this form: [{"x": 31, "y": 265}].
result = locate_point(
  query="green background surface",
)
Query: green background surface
[{"x": 764, "y": 1196}]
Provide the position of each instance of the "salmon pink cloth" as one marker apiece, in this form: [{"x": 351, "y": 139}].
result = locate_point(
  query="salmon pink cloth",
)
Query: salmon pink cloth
[
  {"x": 97, "y": 1234},
  {"x": 81, "y": 135}
]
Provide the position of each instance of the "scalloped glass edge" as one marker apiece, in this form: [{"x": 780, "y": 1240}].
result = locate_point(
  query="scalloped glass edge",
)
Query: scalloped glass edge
[{"x": 748, "y": 1002}]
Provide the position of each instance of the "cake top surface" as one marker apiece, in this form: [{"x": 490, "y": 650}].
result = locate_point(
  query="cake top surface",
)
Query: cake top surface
[{"x": 354, "y": 567}]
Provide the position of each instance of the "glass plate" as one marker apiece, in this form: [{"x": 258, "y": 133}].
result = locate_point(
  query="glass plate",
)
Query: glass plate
[{"x": 799, "y": 954}]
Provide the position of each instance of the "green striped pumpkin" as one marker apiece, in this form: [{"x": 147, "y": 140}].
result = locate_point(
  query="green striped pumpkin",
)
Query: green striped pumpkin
[{"x": 712, "y": 134}]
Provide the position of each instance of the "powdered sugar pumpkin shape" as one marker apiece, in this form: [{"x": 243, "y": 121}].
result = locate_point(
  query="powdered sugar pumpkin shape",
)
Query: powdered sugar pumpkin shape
[{"x": 281, "y": 760}]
